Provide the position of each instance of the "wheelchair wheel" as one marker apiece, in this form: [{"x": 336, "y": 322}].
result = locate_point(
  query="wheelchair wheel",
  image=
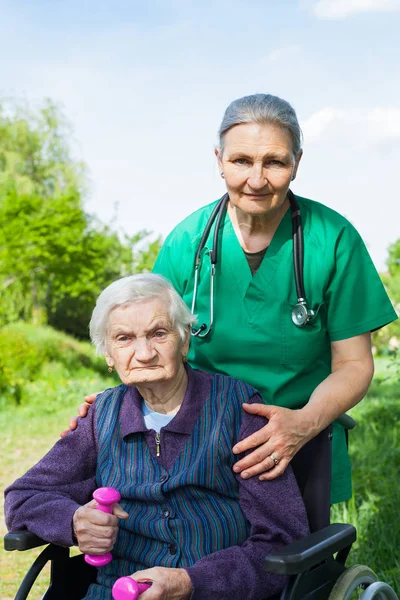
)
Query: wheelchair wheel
[{"x": 352, "y": 583}]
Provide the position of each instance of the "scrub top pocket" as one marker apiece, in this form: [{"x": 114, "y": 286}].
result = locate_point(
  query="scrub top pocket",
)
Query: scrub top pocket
[{"x": 303, "y": 344}]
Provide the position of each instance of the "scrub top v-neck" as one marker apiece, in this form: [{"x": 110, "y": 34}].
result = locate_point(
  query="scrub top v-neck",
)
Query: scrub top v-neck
[{"x": 253, "y": 337}]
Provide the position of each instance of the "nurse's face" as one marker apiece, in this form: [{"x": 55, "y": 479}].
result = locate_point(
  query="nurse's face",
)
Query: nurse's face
[
  {"x": 258, "y": 164},
  {"x": 143, "y": 345}
]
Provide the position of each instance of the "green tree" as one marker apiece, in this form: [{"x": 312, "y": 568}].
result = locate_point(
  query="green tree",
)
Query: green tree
[
  {"x": 103, "y": 258},
  {"x": 39, "y": 239},
  {"x": 35, "y": 156},
  {"x": 392, "y": 278},
  {"x": 143, "y": 251},
  {"x": 54, "y": 258},
  {"x": 387, "y": 340}
]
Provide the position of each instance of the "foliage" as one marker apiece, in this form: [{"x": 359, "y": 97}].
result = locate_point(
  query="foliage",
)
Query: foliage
[
  {"x": 393, "y": 263},
  {"x": 143, "y": 255},
  {"x": 19, "y": 361},
  {"x": 35, "y": 156},
  {"x": 101, "y": 259},
  {"x": 387, "y": 340},
  {"x": 49, "y": 256},
  {"x": 28, "y": 431},
  {"x": 30, "y": 353},
  {"x": 375, "y": 452},
  {"x": 54, "y": 258}
]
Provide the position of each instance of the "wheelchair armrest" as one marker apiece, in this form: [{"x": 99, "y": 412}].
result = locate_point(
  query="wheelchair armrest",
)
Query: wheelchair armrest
[
  {"x": 346, "y": 421},
  {"x": 309, "y": 551},
  {"x": 22, "y": 540}
]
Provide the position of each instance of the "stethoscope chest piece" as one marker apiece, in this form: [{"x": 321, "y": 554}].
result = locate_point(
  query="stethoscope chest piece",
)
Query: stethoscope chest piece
[{"x": 301, "y": 315}]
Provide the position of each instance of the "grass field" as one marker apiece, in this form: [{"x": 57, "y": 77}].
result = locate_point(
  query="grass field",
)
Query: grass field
[
  {"x": 28, "y": 431},
  {"x": 375, "y": 450}
]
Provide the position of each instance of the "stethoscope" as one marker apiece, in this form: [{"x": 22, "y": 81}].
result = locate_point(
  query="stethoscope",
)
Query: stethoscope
[{"x": 301, "y": 313}]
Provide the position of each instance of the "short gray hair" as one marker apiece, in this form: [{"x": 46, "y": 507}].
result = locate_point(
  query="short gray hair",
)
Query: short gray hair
[
  {"x": 263, "y": 109},
  {"x": 129, "y": 290}
]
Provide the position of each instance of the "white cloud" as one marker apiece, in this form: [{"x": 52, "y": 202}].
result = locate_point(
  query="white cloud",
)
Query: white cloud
[
  {"x": 281, "y": 54},
  {"x": 385, "y": 122},
  {"x": 376, "y": 125},
  {"x": 320, "y": 121},
  {"x": 340, "y": 9}
]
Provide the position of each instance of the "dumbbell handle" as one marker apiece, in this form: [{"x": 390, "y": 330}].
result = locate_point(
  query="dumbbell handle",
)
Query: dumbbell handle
[
  {"x": 105, "y": 498},
  {"x": 126, "y": 588}
]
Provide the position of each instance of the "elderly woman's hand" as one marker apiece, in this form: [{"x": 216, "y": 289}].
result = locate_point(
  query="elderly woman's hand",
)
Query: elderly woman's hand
[
  {"x": 82, "y": 412},
  {"x": 168, "y": 584},
  {"x": 95, "y": 530},
  {"x": 275, "y": 444}
]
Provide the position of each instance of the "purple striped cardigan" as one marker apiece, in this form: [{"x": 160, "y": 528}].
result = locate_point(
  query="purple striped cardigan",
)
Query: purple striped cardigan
[{"x": 186, "y": 507}]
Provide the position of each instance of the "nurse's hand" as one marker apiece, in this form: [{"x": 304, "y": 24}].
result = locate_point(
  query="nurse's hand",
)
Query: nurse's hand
[
  {"x": 285, "y": 433},
  {"x": 82, "y": 412},
  {"x": 168, "y": 583}
]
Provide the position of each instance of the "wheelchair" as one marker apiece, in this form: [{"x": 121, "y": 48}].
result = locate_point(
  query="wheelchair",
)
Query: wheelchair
[{"x": 315, "y": 566}]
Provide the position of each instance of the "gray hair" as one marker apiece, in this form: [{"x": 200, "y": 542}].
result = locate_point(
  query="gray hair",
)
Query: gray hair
[
  {"x": 129, "y": 290},
  {"x": 263, "y": 109}
]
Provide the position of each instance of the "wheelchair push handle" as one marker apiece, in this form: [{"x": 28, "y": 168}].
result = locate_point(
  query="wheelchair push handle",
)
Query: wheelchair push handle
[
  {"x": 126, "y": 588},
  {"x": 105, "y": 498}
]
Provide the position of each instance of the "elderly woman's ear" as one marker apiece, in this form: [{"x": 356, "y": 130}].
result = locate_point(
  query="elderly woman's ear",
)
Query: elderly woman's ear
[
  {"x": 186, "y": 344},
  {"x": 110, "y": 362}
]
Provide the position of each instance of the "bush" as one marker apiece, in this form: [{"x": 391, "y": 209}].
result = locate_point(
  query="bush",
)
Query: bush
[
  {"x": 19, "y": 361},
  {"x": 386, "y": 341},
  {"x": 26, "y": 350}
]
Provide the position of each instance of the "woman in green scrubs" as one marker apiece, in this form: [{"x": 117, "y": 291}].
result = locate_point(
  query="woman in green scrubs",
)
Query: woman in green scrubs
[{"x": 307, "y": 376}]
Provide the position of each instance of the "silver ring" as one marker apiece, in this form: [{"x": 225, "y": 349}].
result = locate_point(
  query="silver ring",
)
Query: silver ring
[{"x": 276, "y": 460}]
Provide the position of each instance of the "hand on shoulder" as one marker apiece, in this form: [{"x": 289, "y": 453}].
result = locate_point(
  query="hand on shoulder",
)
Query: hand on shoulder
[{"x": 82, "y": 412}]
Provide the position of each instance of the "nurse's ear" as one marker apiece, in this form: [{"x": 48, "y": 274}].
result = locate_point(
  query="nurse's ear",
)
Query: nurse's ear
[
  {"x": 296, "y": 164},
  {"x": 218, "y": 154}
]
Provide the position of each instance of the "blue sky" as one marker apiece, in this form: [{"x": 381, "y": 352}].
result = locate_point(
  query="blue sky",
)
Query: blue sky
[{"x": 145, "y": 85}]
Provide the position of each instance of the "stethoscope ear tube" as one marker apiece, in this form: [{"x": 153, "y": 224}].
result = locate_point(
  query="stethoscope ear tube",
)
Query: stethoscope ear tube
[
  {"x": 203, "y": 330},
  {"x": 217, "y": 214},
  {"x": 217, "y": 209},
  {"x": 301, "y": 314},
  {"x": 223, "y": 204},
  {"x": 298, "y": 249}
]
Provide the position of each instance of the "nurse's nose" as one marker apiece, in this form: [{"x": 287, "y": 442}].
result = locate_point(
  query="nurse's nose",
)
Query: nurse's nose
[
  {"x": 144, "y": 350},
  {"x": 257, "y": 180}
]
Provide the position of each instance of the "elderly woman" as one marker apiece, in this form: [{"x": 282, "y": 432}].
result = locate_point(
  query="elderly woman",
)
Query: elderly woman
[
  {"x": 163, "y": 438},
  {"x": 304, "y": 345}
]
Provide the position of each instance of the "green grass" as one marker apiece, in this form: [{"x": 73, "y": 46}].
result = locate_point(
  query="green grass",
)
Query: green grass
[
  {"x": 30, "y": 429},
  {"x": 375, "y": 451}
]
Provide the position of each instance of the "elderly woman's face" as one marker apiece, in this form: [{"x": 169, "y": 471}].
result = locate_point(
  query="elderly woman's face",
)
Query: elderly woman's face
[
  {"x": 258, "y": 164},
  {"x": 142, "y": 344}
]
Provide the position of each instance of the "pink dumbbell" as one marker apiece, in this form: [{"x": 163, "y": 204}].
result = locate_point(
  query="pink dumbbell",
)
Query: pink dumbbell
[
  {"x": 126, "y": 588},
  {"x": 105, "y": 498}
]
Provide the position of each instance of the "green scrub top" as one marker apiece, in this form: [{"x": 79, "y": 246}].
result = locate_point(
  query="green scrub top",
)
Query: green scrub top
[{"x": 253, "y": 336}]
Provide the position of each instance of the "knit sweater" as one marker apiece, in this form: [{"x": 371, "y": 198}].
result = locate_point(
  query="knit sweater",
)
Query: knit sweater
[{"x": 186, "y": 507}]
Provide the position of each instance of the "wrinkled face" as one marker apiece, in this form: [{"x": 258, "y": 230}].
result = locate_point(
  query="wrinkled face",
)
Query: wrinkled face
[
  {"x": 142, "y": 344},
  {"x": 258, "y": 164}
]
